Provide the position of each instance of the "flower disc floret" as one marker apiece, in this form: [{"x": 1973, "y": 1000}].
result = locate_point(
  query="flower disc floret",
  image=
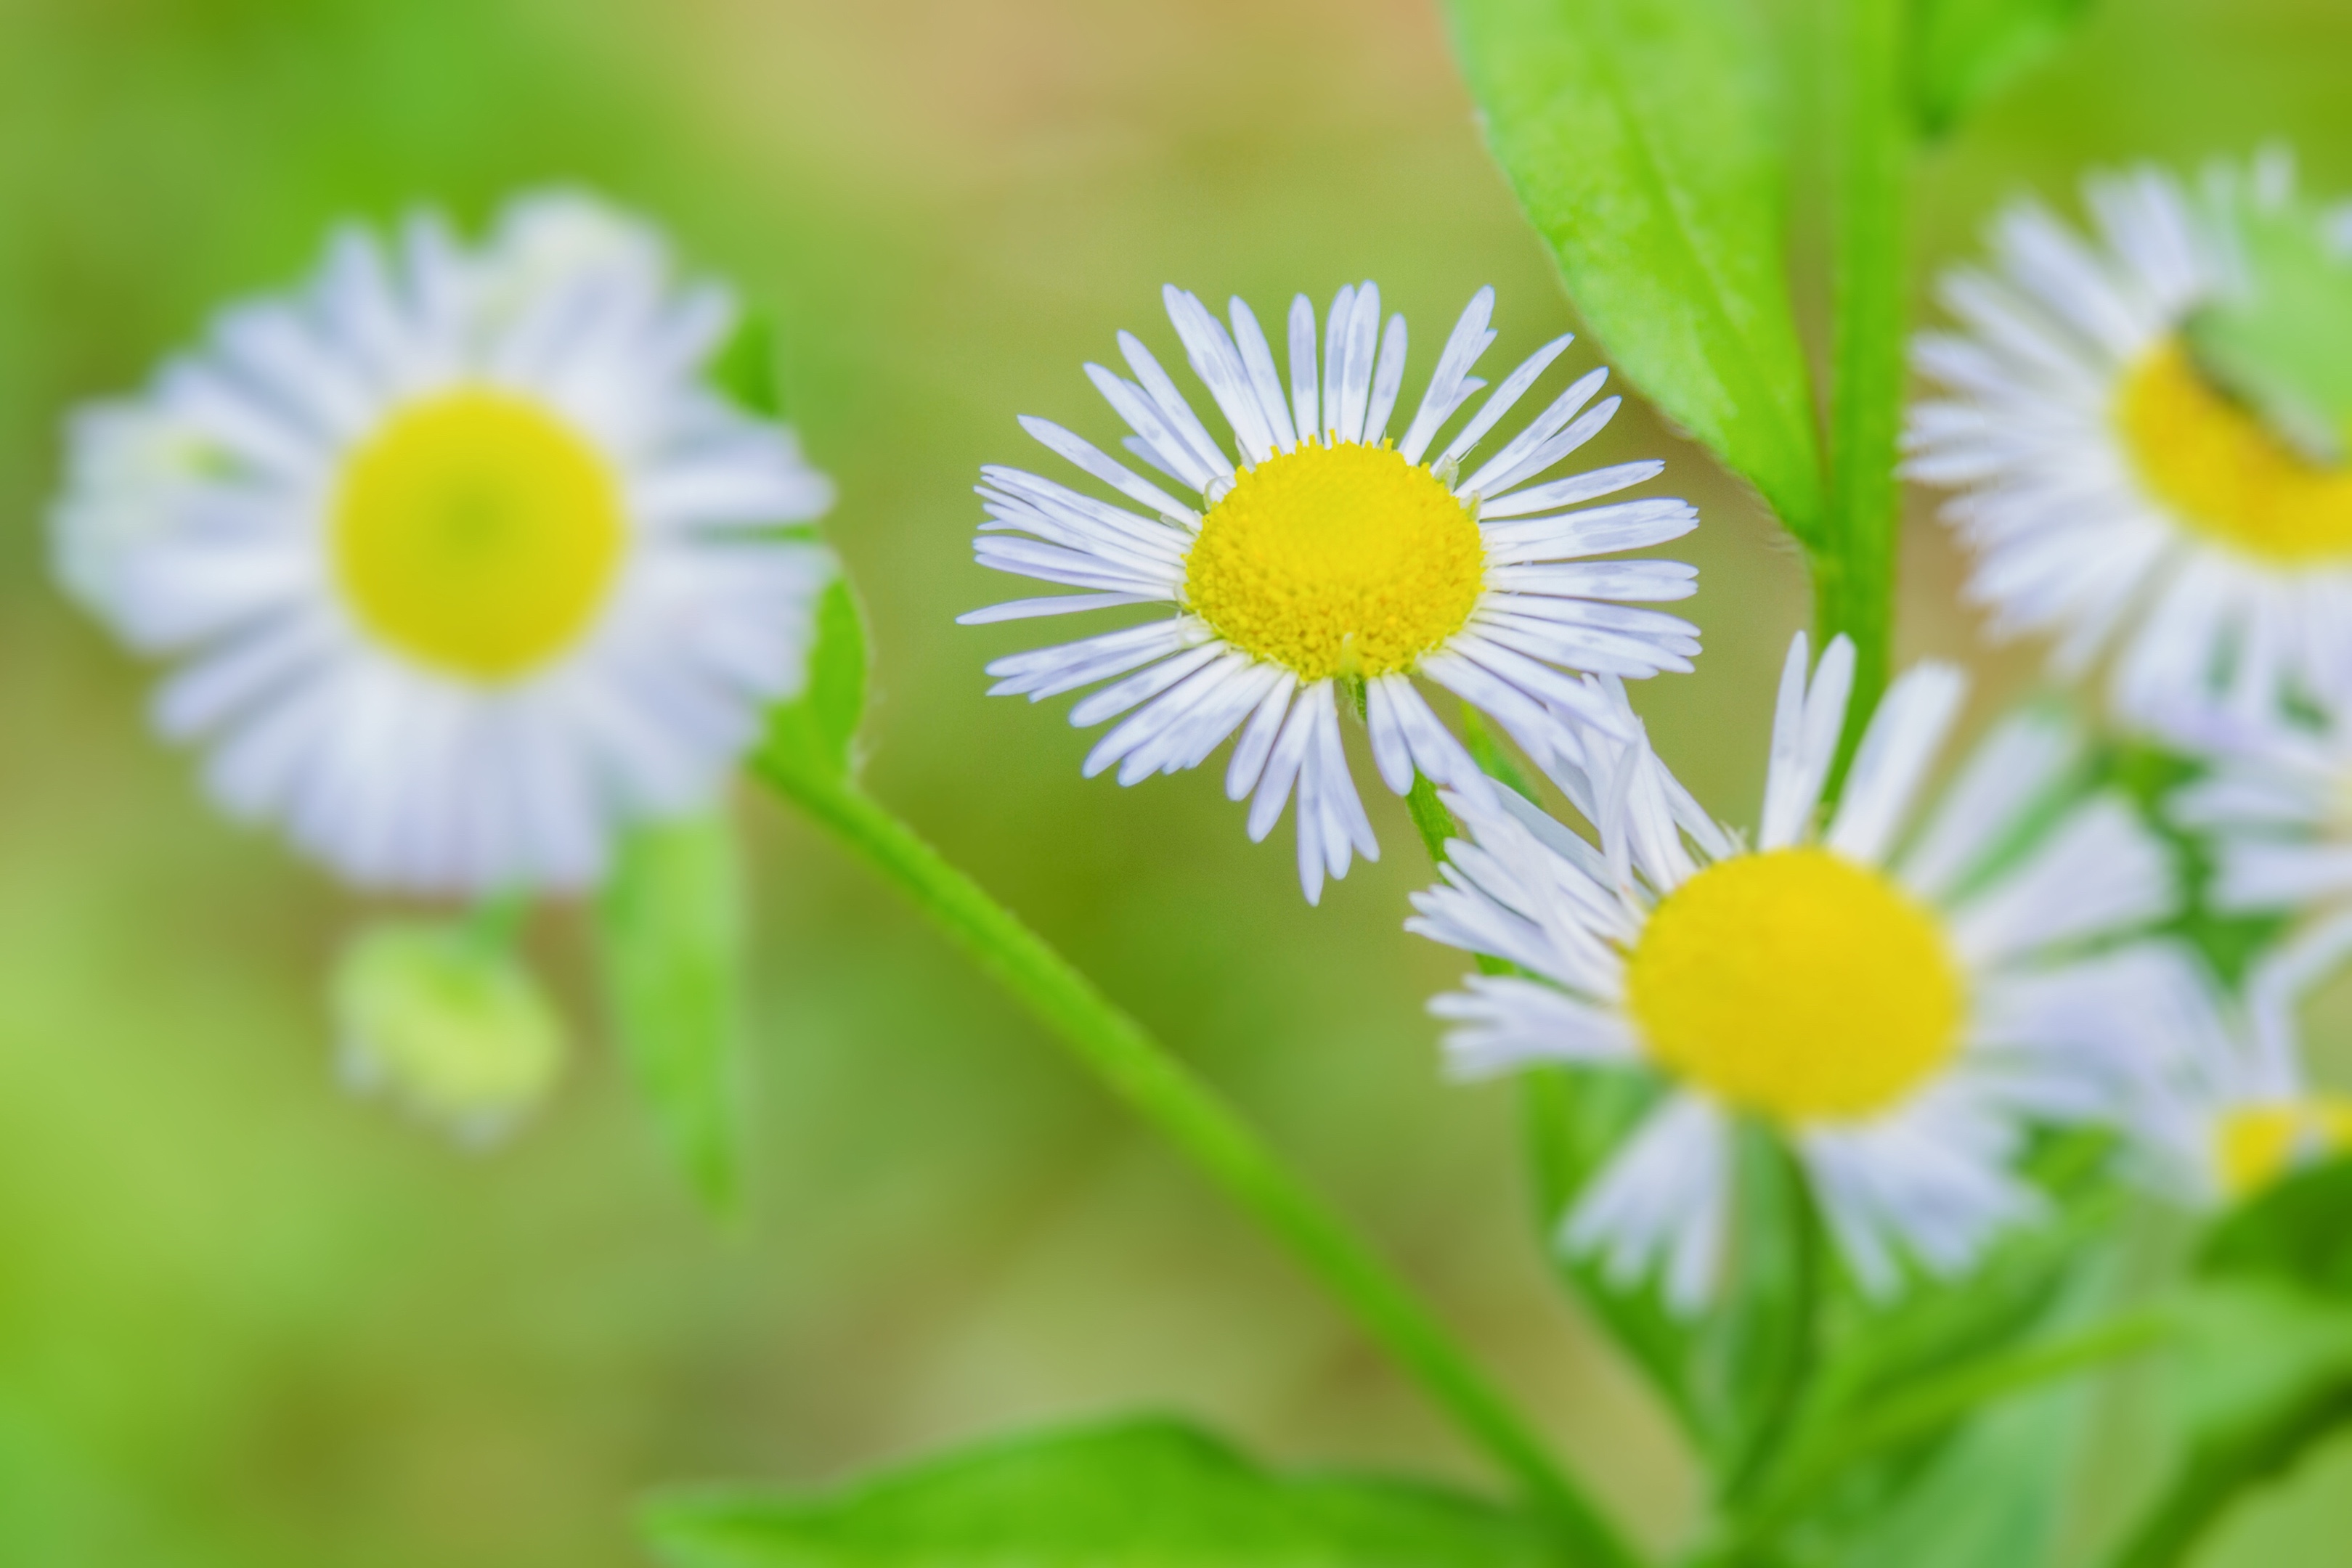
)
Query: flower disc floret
[
  {"x": 2223, "y": 472},
  {"x": 1336, "y": 559},
  {"x": 1797, "y": 984},
  {"x": 2256, "y": 1144},
  {"x": 477, "y": 533}
]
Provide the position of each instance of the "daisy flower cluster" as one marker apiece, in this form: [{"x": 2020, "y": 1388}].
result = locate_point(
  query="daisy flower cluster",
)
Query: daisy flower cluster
[{"x": 2117, "y": 499}]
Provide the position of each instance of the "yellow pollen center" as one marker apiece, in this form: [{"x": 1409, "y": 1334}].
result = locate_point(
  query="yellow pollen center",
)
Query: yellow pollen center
[
  {"x": 1343, "y": 559},
  {"x": 1795, "y": 985},
  {"x": 2225, "y": 475},
  {"x": 478, "y": 533},
  {"x": 2253, "y": 1145}
]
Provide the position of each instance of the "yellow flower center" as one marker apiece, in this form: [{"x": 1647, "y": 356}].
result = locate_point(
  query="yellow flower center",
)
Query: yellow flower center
[
  {"x": 478, "y": 533},
  {"x": 1343, "y": 559},
  {"x": 2253, "y": 1145},
  {"x": 2225, "y": 475},
  {"x": 1796, "y": 985}
]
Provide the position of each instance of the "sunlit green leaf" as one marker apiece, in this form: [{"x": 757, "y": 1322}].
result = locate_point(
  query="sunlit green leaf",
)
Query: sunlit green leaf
[
  {"x": 1644, "y": 140},
  {"x": 2281, "y": 341},
  {"x": 1965, "y": 51},
  {"x": 817, "y": 731},
  {"x": 671, "y": 923},
  {"x": 1144, "y": 1494}
]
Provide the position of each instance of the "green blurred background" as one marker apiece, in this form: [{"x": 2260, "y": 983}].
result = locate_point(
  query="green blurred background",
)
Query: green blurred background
[{"x": 246, "y": 1320}]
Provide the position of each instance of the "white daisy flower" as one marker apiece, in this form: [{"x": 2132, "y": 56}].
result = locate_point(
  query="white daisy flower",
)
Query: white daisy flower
[
  {"x": 463, "y": 561},
  {"x": 1900, "y": 1018},
  {"x": 2223, "y": 1105},
  {"x": 2113, "y": 497},
  {"x": 1325, "y": 558},
  {"x": 2275, "y": 809}
]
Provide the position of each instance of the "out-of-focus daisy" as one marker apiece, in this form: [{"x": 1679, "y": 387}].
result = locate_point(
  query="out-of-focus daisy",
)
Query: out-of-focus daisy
[
  {"x": 2275, "y": 809},
  {"x": 1321, "y": 557},
  {"x": 1900, "y": 1019},
  {"x": 2114, "y": 495},
  {"x": 464, "y": 562},
  {"x": 2224, "y": 1106}
]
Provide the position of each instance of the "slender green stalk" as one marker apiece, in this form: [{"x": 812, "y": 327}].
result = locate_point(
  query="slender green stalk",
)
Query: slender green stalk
[
  {"x": 1162, "y": 1090},
  {"x": 1853, "y": 564},
  {"x": 1942, "y": 1400}
]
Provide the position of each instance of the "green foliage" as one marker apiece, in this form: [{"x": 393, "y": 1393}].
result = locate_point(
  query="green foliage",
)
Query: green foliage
[
  {"x": 2281, "y": 340},
  {"x": 1965, "y": 51},
  {"x": 670, "y": 920},
  {"x": 2299, "y": 1232},
  {"x": 747, "y": 367},
  {"x": 816, "y": 732},
  {"x": 1644, "y": 140},
  {"x": 1576, "y": 1117},
  {"x": 1139, "y": 1494}
]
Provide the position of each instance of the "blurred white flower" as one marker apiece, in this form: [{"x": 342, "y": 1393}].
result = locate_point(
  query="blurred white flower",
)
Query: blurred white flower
[
  {"x": 2274, "y": 807},
  {"x": 2114, "y": 497},
  {"x": 1899, "y": 1018},
  {"x": 463, "y": 563},
  {"x": 1328, "y": 554},
  {"x": 2224, "y": 1105}
]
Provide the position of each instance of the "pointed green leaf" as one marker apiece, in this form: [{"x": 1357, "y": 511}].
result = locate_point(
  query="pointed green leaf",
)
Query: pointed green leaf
[
  {"x": 671, "y": 924},
  {"x": 1644, "y": 141},
  {"x": 1139, "y": 1494},
  {"x": 1965, "y": 51},
  {"x": 816, "y": 732},
  {"x": 746, "y": 367}
]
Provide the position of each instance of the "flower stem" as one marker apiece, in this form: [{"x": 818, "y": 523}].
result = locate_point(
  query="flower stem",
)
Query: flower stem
[
  {"x": 1854, "y": 566},
  {"x": 1136, "y": 1068}
]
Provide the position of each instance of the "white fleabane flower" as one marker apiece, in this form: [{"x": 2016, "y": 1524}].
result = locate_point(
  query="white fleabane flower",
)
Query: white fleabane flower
[
  {"x": 2275, "y": 808},
  {"x": 1900, "y": 1018},
  {"x": 463, "y": 563},
  {"x": 2115, "y": 499},
  {"x": 2224, "y": 1105},
  {"x": 1319, "y": 552}
]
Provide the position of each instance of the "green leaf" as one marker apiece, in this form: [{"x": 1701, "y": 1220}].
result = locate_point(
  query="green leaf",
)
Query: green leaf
[
  {"x": 2265, "y": 1376},
  {"x": 816, "y": 732},
  {"x": 1137, "y": 1494},
  {"x": 1644, "y": 140},
  {"x": 2298, "y": 1229},
  {"x": 1965, "y": 51},
  {"x": 671, "y": 923},
  {"x": 747, "y": 367},
  {"x": 2281, "y": 340}
]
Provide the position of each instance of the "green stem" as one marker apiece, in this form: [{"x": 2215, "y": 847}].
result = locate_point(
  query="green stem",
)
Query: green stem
[
  {"x": 1166, "y": 1093},
  {"x": 1853, "y": 566},
  {"x": 1935, "y": 1404}
]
